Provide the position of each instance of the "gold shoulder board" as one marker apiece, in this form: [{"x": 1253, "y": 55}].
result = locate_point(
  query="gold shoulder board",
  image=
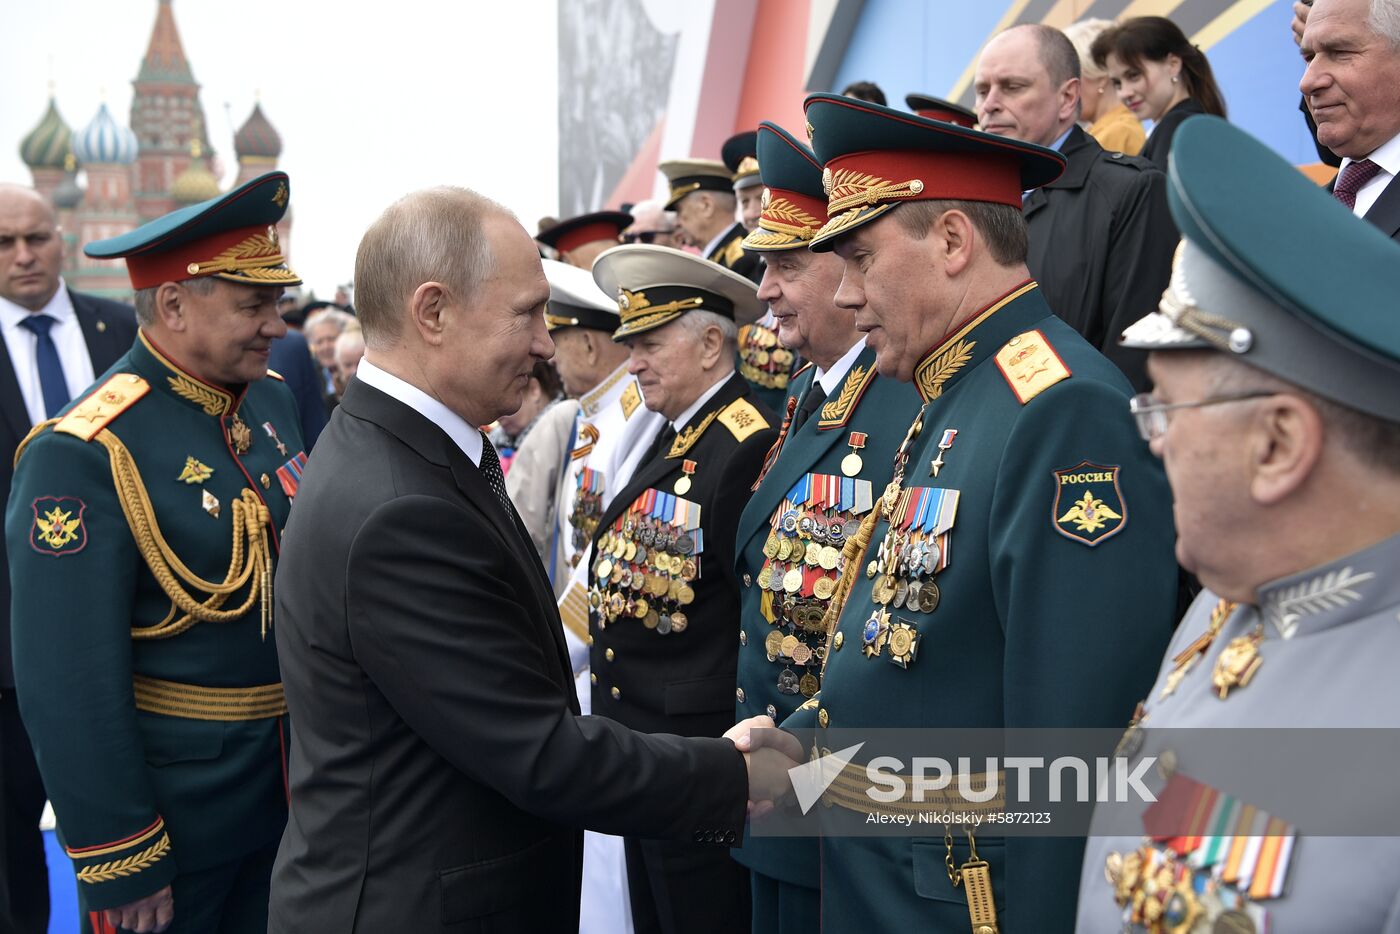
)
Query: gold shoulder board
[
  {"x": 102, "y": 406},
  {"x": 1030, "y": 365},
  {"x": 733, "y": 253},
  {"x": 742, "y": 419},
  {"x": 277, "y": 376}
]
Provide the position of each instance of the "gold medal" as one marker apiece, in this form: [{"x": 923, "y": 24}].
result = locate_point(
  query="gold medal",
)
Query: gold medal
[
  {"x": 851, "y": 464},
  {"x": 903, "y": 642},
  {"x": 809, "y": 685},
  {"x": 630, "y": 551},
  {"x": 679, "y": 622},
  {"x": 789, "y": 645},
  {"x": 688, "y": 570},
  {"x": 773, "y": 644},
  {"x": 813, "y": 555},
  {"x": 604, "y": 569},
  {"x": 650, "y": 620},
  {"x": 770, "y": 547},
  {"x": 785, "y": 549},
  {"x": 928, "y": 597},
  {"x": 829, "y": 557},
  {"x": 1237, "y": 663},
  {"x": 682, "y": 486},
  {"x": 765, "y": 576},
  {"x": 824, "y": 588},
  {"x": 685, "y": 595},
  {"x": 640, "y": 610},
  {"x": 792, "y": 581}
]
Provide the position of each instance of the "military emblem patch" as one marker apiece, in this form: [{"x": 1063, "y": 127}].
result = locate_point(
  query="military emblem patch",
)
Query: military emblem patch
[
  {"x": 1089, "y": 506},
  {"x": 58, "y": 526}
]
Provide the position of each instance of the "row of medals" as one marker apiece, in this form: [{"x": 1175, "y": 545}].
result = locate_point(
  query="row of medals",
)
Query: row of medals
[
  {"x": 644, "y": 571},
  {"x": 588, "y": 509},
  {"x": 764, "y": 361},
  {"x": 904, "y": 569},
  {"x": 800, "y": 540},
  {"x": 1157, "y": 891}
]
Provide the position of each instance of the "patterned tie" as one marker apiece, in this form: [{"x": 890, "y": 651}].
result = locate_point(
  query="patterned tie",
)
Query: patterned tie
[
  {"x": 815, "y": 397},
  {"x": 491, "y": 470},
  {"x": 51, "y": 380},
  {"x": 1353, "y": 178}
]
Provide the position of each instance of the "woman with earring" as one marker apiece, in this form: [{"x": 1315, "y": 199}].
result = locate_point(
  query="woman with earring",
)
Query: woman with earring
[
  {"x": 1159, "y": 75},
  {"x": 1101, "y": 113}
]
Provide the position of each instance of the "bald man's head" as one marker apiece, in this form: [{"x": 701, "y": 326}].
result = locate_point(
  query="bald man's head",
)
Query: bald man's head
[{"x": 31, "y": 247}]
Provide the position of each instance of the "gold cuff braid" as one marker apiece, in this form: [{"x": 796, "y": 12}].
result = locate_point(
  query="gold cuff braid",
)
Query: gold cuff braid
[{"x": 251, "y": 560}]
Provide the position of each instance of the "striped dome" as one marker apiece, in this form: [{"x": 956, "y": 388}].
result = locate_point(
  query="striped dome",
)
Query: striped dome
[
  {"x": 104, "y": 141},
  {"x": 257, "y": 138},
  {"x": 48, "y": 143}
]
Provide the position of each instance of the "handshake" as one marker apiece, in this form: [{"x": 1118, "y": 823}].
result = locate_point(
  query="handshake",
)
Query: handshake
[{"x": 768, "y": 755}]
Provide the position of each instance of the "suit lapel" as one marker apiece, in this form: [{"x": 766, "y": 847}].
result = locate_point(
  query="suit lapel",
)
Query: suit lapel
[
  {"x": 15, "y": 415},
  {"x": 1385, "y": 213}
]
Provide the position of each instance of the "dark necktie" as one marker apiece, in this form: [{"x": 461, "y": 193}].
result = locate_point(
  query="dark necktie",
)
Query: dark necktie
[
  {"x": 495, "y": 477},
  {"x": 51, "y": 380},
  {"x": 661, "y": 445},
  {"x": 813, "y": 401},
  {"x": 1353, "y": 178}
]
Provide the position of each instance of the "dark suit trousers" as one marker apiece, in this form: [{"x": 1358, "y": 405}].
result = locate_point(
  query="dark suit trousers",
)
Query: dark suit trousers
[
  {"x": 680, "y": 887},
  {"x": 24, "y": 873}
]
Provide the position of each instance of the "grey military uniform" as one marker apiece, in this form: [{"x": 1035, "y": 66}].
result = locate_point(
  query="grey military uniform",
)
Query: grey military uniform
[{"x": 1330, "y": 640}]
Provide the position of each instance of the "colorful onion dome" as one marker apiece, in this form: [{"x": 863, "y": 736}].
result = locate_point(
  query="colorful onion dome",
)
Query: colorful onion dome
[
  {"x": 48, "y": 143},
  {"x": 257, "y": 138},
  {"x": 105, "y": 142}
]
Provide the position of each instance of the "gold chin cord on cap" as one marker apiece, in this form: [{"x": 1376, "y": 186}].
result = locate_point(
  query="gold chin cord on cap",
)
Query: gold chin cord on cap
[
  {"x": 250, "y": 563},
  {"x": 975, "y": 877},
  {"x": 1179, "y": 305}
]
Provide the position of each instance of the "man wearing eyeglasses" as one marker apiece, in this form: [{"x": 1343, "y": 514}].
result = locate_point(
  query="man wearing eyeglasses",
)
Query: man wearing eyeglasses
[
  {"x": 1275, "y": 413},
  {"x": 651, "y": 223}
]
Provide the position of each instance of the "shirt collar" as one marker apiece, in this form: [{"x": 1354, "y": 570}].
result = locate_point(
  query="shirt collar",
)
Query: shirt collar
[
  {"x": 1387, "y": 156},
  {"x": 462, "y": 433},
  {"x": 60, "y": 308},
  {"x": 684, "y": 418},
  {"x": 710, "y": 247},
  {"x": 605, "y": 393},
  {"x": 830, "y": 379}
]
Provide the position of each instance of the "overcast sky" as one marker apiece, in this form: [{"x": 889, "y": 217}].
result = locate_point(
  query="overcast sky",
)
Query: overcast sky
[{"x": 372, "y": 99}]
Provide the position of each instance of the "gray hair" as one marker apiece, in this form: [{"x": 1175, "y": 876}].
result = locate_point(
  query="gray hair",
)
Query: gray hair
[
  {"x": 332, "y": 316},
  {"x": 1082, "y": 35},
  {"x": 1384, "y": 20},
  {"x": 696, "y": 323},
  {"x": 145, "y": 299},
  {"x": 433, "y": 235}
]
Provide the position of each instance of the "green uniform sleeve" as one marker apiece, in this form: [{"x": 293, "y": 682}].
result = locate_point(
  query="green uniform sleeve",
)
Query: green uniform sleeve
[{"x": 73, "y": 569}]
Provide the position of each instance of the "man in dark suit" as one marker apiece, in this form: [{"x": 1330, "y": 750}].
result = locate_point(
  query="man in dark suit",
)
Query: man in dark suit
[
  {"x": 56, "y": 341},
  {"x": 1101, "y": 236},
  {"x": 290, "y": 358},
  {"x": 1349, "y": 89},
  {"x": 665, "y": 598},
  {"x": 440, "y": 773}
]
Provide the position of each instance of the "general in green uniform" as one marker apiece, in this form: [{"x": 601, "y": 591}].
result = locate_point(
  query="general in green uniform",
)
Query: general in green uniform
[
  {"x": 832, "y": 460},
  {"x": 1019, "y": 573},
  {"x": 143, "y": 532}
]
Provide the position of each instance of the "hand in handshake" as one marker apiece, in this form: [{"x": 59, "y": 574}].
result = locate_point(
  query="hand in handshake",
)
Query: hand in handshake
[{"x": 769, "y": 753}]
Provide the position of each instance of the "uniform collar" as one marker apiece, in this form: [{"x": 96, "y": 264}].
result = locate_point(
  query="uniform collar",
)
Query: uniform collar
[
  {"x": 977, "y": 338},
  {"x": 174, "y": 380},
  {"x": 605, "y": 393},
  {"x": 714, "y": 244},
  {"x": 1353, "y": 587},
  {"x": 830, "y": 379}
]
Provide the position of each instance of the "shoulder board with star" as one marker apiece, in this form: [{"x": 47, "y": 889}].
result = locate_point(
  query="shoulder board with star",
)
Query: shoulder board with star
[
  {"x": 837, "y": 412},
  {"x": 102, "y": 406},
  {"x": 1030, "y": 365},
  {"x": 742, "y": 419},
  {"x": 277, "y": 376},
  {"x": 733, "y": 252}
]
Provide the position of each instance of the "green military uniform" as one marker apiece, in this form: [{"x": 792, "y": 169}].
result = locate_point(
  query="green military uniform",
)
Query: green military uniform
[
  {"x": 1020, "y": 573},
  {"x": 143, "y": 532},
  {"x": 822, "y": 477}
]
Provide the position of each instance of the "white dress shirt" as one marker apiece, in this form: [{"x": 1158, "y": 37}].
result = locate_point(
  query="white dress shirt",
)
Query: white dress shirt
[
  {"x": 830, "y": 379},
  {"x": 463, "y": 433},
  {"x": 1388, "y": 158},
  {"x": 67, "y": 336}
]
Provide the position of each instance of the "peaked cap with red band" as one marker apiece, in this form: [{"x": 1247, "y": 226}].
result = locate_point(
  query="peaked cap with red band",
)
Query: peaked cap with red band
[
  {"x": 877, "y": 158},
  {"x": 936, "y": 108},
  {"x": 794, "y": 203},
  {"x": 233, "y": 237},
  {"x": 573, "y": 233}
]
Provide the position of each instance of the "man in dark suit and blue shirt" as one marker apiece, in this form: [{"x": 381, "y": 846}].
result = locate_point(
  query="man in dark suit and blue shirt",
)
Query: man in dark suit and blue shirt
[
  {"x": 440, "y": 773},
  {"x": 56, "y": 340}
]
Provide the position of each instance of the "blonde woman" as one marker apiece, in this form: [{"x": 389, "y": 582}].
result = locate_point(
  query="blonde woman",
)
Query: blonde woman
[{"x": 1101, "y": 113}]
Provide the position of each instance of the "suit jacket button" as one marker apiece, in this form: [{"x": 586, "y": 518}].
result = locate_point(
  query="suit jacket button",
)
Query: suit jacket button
[
  {"x": 617, "y": 695},
  {"x": 729, "y": 837},
  {"x": 743, "y": 637},
  {"x": 709, "y": 836},
  {"x": 772, "y": 712},
  {"x": 748, "y": 580},
  {"x": 739, "y": 693},
  {"x": 592, "y": 678},
  {"x": 699, "y": 836},
  {"x": 609, "y": 655},
  {"x": 823, "y": 718}
]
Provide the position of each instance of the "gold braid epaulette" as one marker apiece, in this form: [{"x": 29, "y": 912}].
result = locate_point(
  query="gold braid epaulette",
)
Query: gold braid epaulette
[
  {"x": 251, "y": 559},
  {"x": 854, "y": 553}
]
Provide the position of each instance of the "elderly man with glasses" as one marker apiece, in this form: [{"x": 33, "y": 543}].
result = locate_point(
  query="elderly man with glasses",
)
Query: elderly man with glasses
[{"x": 1275, "y": 414}]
